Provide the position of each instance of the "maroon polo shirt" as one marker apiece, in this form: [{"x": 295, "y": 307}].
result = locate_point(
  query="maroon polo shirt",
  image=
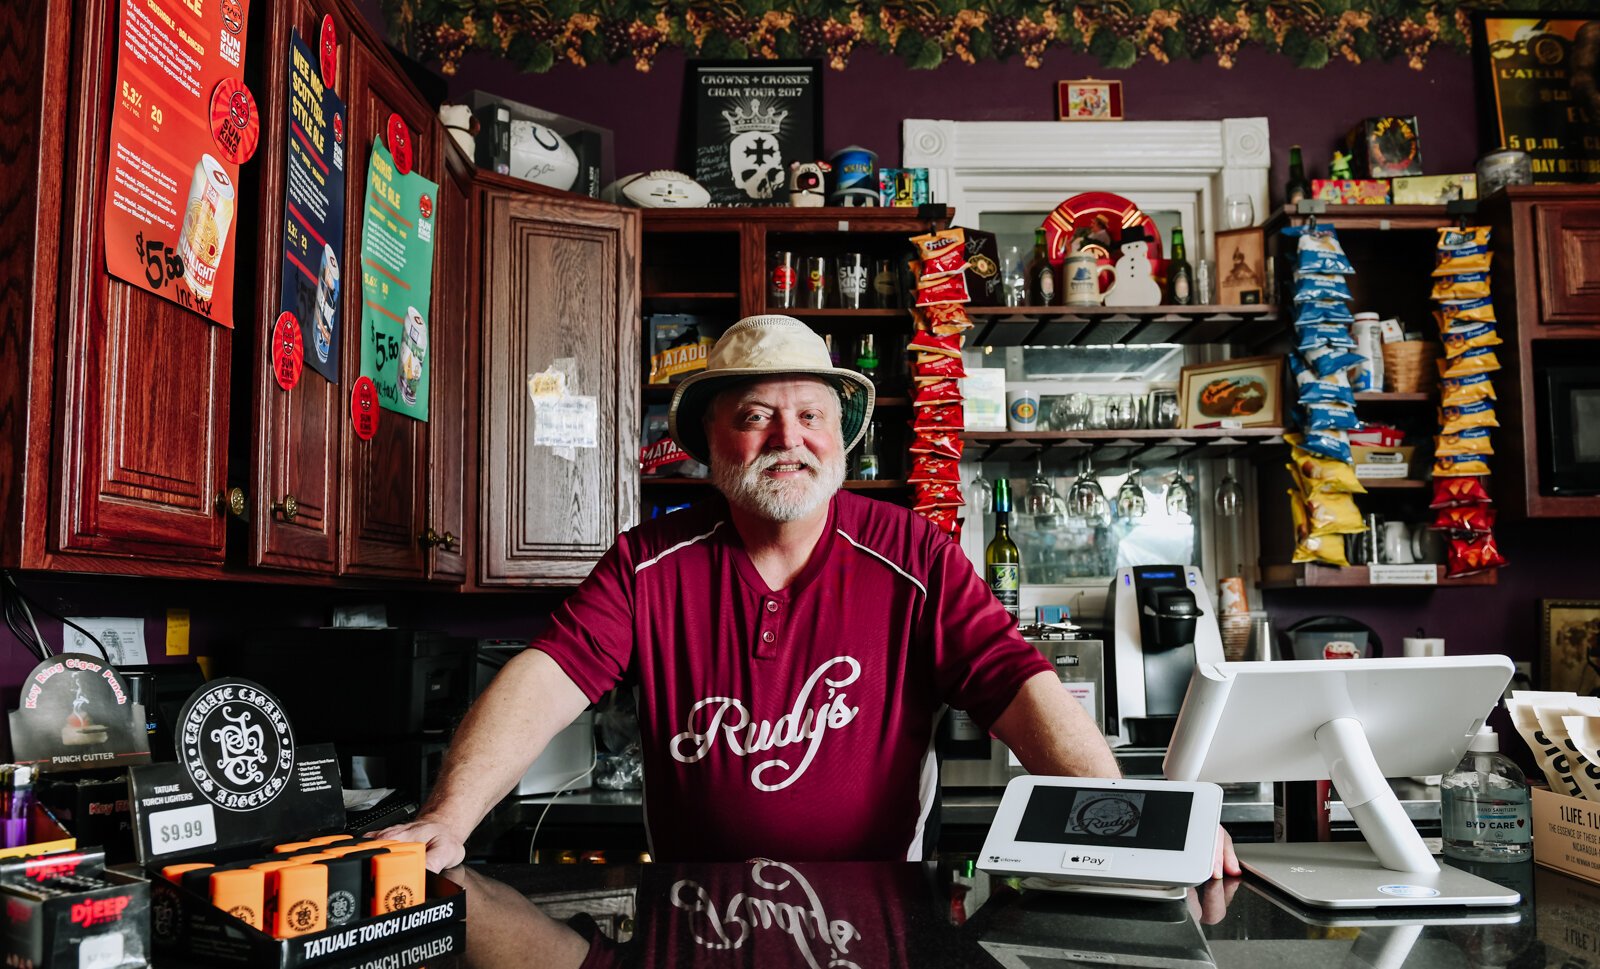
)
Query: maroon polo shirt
[{"x": 795, "y": 724}]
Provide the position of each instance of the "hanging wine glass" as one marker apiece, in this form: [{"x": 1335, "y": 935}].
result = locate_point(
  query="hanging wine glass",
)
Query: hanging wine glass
[
  {"x": 1229, "y": 497},
  {"x": 1130, "y": 497},
  {"x": 1086, "y": 499},
  {"x": 1179, "y": 495},
  {"x": 1041, "y": 497},
  {"x": 980, "y": 491}
]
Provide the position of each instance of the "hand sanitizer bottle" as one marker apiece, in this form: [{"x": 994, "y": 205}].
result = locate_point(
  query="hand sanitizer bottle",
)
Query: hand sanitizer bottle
[{"x": 1485, "y": 805}]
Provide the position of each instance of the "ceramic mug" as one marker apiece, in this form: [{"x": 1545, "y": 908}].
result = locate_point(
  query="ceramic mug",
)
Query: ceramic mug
[
  {"x": 1082, "y": 275},
  {"x": 1022, "y": 407}
]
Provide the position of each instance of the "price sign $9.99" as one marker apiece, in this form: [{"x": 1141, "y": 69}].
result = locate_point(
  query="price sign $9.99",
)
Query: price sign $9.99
[{"x": 182, "y": 828}]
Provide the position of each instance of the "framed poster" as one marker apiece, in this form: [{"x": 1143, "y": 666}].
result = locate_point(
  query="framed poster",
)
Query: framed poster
[
  {"x": 1538, "y": 81},
  {"x": 1241, "y": 266},
  {"x": 1089, "y": 99},
  {"x": 749, "y": 120},
  {"x": 1248, "y": 391},
  {"x": 1569, "y": 645}
]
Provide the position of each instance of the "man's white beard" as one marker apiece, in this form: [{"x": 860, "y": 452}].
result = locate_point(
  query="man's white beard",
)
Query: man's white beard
[{"x": 778, "y": 499}]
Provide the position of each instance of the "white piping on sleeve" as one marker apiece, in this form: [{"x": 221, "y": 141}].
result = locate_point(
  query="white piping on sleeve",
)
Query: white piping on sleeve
[
  {"x": 928, "y": 786},
  {"x": 908, "y": 576},
  {"x": 681, "y": 545}
]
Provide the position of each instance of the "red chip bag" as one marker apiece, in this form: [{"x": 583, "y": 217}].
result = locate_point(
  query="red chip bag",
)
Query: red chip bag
[
  {"x": 950, "y": 289},
  {"x": 1451, "y": 492},
  {"x": 925, "y": 343},
  {"x": 945, "y": 444},
  {"x": 932, "y": 468},
  {"x": 943, "y": 252},
  {"x": 938, "y": 494},
  {"x": 927, "y": 365},
  {"x": 1467, "y": 556},
  {"x": 945, "y": 417},
  {"x": 943, "y": 318},
  {"x": 1465, "y": 518},
  {"x": 942, "y": 391},
  {"x": 944, "y": 519}
]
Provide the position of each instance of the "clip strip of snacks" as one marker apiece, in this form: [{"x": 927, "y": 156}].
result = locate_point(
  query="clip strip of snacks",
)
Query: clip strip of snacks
[
  {"x": 1324, "y": 364},
  {"x": 1464, "y": 310},
  {"x": 940, "y": 316}
]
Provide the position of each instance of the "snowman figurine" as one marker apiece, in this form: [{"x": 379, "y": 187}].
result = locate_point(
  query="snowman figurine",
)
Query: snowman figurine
[{"x": 1134, "y": 286}]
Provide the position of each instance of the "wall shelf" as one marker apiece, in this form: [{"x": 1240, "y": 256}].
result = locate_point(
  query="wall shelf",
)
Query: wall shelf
[
  {"x": 1312, "y": 576},
  {"x": 1394, "y": 397},
  {"x": 1391, "y": 484},
  {"x": 683, "y": 296},
  {"x": 1379, "y": 217},
  {"x": 1157, "y": 444},
  {"x": 1249, "y": 326},
  {"x": 885, "y": 484}
]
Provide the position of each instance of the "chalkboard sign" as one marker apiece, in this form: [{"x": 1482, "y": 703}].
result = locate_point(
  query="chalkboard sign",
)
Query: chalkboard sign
[
  {"x": 750, "y": 120},
  {"x": 1539, "y": 91}
]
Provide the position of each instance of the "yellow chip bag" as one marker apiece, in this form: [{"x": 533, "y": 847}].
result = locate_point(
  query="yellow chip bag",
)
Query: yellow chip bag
[
  {"x": 1468, "y": 259},
  {"x": 1333, "y": 514},
  {"x": 1473, "y": 440},
  {"x": 1459, "y": 465},
  {"x": 1466, "y": 237},
  {"x": 1479, "y": 310},
  {"x": 1328, "y": 549},
  {"x": 1462, "y": 286},
  {"x": 1459, "y": 338},
  {"x": 1455, "y": 391},
  {"x": 1480, "y": 360},
  {"x": 1316, "y": 473},
  {"x": 1455, "y": 419}
]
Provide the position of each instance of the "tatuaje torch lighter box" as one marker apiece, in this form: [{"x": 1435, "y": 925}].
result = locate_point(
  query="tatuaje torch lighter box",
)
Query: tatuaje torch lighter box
[{"x": 244, "y": 841}]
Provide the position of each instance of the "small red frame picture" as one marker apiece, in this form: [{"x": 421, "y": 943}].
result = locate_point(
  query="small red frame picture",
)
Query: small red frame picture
[{"x": 1089, "y": 99}]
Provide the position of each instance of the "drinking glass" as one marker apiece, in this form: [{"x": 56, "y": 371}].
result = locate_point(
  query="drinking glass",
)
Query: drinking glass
[
  {"x": 1205, "y": 282},
  {"x": 1014, "y": 278},
  {"x": 1163, "y": 407},
  {"x": 1086, "y": 499},
  {"x": 1229, "y": 497},
  {"x": 1241, "y": 212},
  {"x": 851, "y": 269},
  {"x": 816, "y": 282},
  {"x": 1130, "y": 497},
  {"x": 980, "y": 492},
  {"x": 1180, "y": 496}
]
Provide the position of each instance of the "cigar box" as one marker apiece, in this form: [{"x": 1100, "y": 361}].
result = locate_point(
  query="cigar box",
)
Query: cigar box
[
  {"x": 68, "y": 910},
  {"x": 1566, "y": 834},
  {"x": 194, "y": 811}
]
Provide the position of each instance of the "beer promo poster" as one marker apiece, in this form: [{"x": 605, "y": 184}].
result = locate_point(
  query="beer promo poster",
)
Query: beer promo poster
[
  {"x": 750, "y": 122},
  {"x": 1544, "y": 77},
  {"x": 181, "y": 124},
  {"x": 313, "y": 225},
  {"x": 396, "y": 283}
]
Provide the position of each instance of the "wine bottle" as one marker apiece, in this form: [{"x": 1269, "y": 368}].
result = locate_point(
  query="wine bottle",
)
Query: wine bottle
[
  {"x": 1002, "y": 563},
  {"x": 1180, "y": 275},
  {"x": 1297, "y": 189},
  {"x": 1042, "y": 289}
]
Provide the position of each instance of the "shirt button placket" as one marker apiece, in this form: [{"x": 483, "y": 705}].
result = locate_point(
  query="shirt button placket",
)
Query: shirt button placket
[{"x": 767, "y": 635}]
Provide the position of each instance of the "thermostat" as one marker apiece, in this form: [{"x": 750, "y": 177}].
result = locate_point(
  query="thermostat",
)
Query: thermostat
[{"x": 1096, "y": 831}]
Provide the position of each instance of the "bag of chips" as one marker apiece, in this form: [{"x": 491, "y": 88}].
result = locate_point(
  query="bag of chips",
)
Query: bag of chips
[
  {"x": 931, "y": 344},
  {"x": 1468, "y": 259},
  {"x": 1465, "y": 518},
  {"x": 931, "y": 467},
  {"x": 948, "y": 289},
  {"x": 1454, "y": 420},
  {"x": 1463, "y": 238},
  {"x": 1321, "y": 311},
  {"x": 1320, "y": 261},
  {"x": 1466, "y": 556},
  {"x": 945, "y": 417},
  {"x": 941, "y": 391},
  {"x": 1455, "y": 391},
  {"x": 944, "y": 519},
  {"x": 1328, "y": 444},
  {"x": 1323, "y": 334},
  {"x": 937, "y": 494},
  {"x": 1314, "y": 473},
  {"x": 943, "y": 444},
  {"x": 936, "y": 368},
  {"x": 1477, "y": 310},
  {"x": 944, "y": 253},
  {"x": 1334, "y": 389},
  {"x": 1468, "y": 362},
  {"x": 1462, "y": 286},
  {"x": 1458, "y": 465},
  {"x": 1327, "y": 361},
  {"x": 1458, "y": 492},
  {"x": 1320, "y": 287},
  {"x": 1473, "y": 440},
  {"x": 1333, "y": 513},
  {"x": 943, "y": 319},
  {"x": 1330, "y": 417},
  {"x": 1463, "y": 335},
  {"x": 1327, "y": 549}
]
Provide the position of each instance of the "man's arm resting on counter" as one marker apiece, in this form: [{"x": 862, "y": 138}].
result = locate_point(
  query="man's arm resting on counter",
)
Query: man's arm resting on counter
[
  {"x": 1052, "y": 734},
  {"x": 529, "y": 702}
]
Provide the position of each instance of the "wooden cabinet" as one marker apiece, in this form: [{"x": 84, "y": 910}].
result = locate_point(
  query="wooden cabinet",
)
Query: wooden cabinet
[
  {"x": 559, "y": 289},
  {"x": 1567, "y": 239},
  {"x": 452, "y": 324}
]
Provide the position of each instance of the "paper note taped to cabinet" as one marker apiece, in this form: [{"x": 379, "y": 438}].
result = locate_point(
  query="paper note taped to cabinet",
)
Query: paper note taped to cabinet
[{"x": 570, "y": 422}]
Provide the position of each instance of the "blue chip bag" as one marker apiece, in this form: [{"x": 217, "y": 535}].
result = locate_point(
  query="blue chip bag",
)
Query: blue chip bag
[
  {"x": 1329, "y": 444},
  {"x": 1329, "y": 417},
  {"x": 1327, "y": 361},
  {"x": 1323, "y": 312},
  {"x": 1334, "y": 390},
  {"x": 1320, "y": 252},
  {"x": 1320, "y": 286},
  {"x": 1323, "y": 334}
]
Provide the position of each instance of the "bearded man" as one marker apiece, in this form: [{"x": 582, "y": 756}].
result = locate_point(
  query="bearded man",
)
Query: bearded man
[{"x": 792, "y": 645}]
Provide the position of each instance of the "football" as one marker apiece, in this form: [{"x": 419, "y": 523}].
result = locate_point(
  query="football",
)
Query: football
[
  {"x": 540, "y": 155},
  {"x": 661, "y": 189}
]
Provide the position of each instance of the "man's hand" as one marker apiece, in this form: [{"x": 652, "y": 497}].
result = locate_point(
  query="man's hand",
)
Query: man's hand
[
  {"x": 446, "y": 849},
  {"x": 1226, "y": 863}
]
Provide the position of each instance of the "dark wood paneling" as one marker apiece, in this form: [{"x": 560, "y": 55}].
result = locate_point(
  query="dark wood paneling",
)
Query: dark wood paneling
[
  {"x": 559, "y": 282},
  {"x": 142, "y": 403},
  {"x": 1568, "y": 238},
  {"x": 450, "y": 334},
  {"x": 295, "y": 448},
  {"x": 383, "y": 503}
]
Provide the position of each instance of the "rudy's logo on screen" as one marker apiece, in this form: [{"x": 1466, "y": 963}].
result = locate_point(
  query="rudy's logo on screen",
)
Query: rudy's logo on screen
[{"x": 807, "y": 722}]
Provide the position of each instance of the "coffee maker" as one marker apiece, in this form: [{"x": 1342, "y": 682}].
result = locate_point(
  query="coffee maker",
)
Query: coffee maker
[{"x": 1163, "y": 623}]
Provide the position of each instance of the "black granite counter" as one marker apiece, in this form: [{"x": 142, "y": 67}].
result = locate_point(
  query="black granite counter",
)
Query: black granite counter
[{"x": 771, "y": 914}]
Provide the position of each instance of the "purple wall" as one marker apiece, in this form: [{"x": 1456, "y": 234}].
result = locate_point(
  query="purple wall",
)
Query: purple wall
[{"x": 864, "y": 104}]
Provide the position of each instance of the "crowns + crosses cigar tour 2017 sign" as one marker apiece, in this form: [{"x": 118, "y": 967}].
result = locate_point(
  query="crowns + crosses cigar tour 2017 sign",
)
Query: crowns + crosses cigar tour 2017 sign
[
  {"x": 397, "y": 278},
  {"x": 182, "y": 122},
  {"x": 1539, "y": 90},
  {"x": 750, "y": 122},
  {"x": 313, "y": 230}
]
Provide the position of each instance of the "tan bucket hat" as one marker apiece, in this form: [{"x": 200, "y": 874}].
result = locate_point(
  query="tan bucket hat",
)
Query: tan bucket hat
[{"x": 764, "y": 346}]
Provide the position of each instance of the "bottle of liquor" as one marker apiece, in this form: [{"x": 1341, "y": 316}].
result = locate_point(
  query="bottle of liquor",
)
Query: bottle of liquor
[
  {"x": 1180, "y": 275},
  {"x": 1002, "y": 563},
  {"x": 1297, "y": 189},
  {"x": 1042, "y": 289},
  {"x": 867, "y": 357}
]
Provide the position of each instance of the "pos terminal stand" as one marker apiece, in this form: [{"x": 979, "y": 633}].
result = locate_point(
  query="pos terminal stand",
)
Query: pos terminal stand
[{"x": 1357, "y": 722}]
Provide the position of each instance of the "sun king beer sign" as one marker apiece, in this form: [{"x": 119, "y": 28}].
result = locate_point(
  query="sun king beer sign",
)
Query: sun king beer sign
[{"x": 182, "y": 123}]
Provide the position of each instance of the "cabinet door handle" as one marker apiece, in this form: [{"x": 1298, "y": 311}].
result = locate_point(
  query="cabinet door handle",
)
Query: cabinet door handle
[
  {"x": 231, "y": 502},
  {"x": 429, "y": 539},
  {"x": 287, "y": 508},
  {"x": 448, "y": 540}
]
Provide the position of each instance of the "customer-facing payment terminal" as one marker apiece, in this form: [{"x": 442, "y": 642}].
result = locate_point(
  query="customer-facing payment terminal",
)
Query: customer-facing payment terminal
[{"x": 1127, "y": 837}]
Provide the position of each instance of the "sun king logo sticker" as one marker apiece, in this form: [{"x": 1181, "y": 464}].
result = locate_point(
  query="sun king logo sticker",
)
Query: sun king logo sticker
[{"x": 236, "y": 744}]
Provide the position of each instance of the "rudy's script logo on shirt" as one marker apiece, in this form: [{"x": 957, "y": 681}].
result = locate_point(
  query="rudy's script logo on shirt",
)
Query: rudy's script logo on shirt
[
  {"x": 804, "y": 920},
  {"x": 806, "y": 722}
]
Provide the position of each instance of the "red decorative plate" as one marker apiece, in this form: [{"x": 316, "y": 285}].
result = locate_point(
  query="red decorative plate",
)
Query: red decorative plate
[{"x": 1103, "y": 217}]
